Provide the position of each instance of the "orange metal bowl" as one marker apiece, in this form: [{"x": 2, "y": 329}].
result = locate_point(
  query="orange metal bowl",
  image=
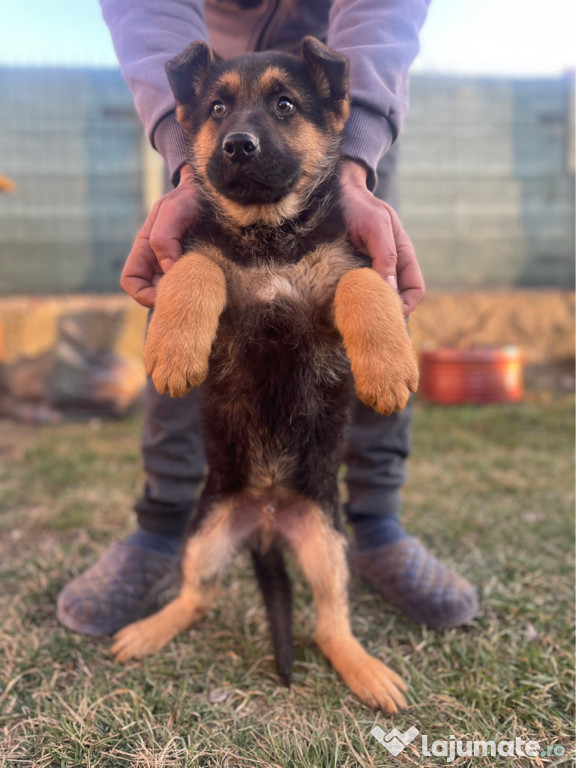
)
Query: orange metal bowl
[{"x": 486, "y": 375}]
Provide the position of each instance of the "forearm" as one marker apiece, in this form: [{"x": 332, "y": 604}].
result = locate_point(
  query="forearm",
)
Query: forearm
[{"x": 380, "y": 39}]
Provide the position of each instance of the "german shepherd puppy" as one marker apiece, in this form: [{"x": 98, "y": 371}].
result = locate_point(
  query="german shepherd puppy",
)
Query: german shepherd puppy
[{"x": 272, "y": 310}]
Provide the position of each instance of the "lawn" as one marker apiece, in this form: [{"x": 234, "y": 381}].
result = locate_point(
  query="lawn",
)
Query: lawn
[{"x": 490, "y": 491}]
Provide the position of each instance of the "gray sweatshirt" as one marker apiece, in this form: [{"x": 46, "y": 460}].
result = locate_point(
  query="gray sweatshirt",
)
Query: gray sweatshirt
[{"x": 379, "y": 37}]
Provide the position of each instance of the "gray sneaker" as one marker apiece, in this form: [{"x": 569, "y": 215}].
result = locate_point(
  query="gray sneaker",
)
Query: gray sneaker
[
  {"x": 416, "y": 583},
  {"x": 116, "y": 590}
]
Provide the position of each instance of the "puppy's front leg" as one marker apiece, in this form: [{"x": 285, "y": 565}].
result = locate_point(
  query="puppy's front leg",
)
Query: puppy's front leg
[
  {"x": 191, "y": 298},
  {"x": 368, "y": 314}
]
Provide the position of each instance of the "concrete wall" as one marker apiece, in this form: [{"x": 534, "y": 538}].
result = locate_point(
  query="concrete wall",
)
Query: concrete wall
[
  {"x": 487, "y": 181},
  {"x": 72, "y": 144}
]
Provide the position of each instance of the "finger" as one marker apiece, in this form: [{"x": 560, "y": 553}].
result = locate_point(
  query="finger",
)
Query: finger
[
  {"x": 412, "y": 287},
  {"x": 141, "y": 271},
  {"x": 410, "y": 300},
  {"x": 410, "y": 279},
  {"x": 378, "y": 236},
  {"x": 141, "y": 290},
  {"x": 174, "y": 219}
]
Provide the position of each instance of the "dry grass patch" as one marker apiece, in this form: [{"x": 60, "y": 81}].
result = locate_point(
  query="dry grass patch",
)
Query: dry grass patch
[{"x": 490, "y": 491}]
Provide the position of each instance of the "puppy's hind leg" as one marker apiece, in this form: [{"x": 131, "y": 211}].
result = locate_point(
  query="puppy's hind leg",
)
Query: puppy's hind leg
[
  {"x": 207, "y": 554},
  {"x": 321, "y": 553}
]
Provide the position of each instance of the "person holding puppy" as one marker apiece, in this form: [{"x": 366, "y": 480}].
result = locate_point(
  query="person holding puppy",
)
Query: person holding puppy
[{"x": 380, "y": 39}]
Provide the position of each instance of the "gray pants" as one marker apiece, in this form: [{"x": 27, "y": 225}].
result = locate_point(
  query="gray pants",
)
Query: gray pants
[{"x": 174, "y": 457}]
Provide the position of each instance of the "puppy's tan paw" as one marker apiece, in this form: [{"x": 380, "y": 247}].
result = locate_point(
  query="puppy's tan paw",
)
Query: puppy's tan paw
[
  {"x": 137, "y": 640},
  {"x": 375, "y": 684},
  {"x": 384, "y": 382},
  {"x": 174, "y": 362}
]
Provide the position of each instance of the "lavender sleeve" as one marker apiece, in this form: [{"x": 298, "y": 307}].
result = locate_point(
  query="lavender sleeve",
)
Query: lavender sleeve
[{"x": 380, "y": 39}]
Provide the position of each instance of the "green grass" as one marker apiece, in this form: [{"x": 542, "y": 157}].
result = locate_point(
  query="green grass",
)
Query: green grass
[{"x": 490, "y": 491}]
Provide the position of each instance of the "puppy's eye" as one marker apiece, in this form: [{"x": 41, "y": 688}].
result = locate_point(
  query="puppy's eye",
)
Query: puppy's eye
[
  {"x": 218, "y": 109},
  {"x": 285, "y": 106}
]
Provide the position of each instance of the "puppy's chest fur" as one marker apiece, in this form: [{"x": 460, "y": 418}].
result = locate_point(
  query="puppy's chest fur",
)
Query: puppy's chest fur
[{"x": 281, "y": 313}]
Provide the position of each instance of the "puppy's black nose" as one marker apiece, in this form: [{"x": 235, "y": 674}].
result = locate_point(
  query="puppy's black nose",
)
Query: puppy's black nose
[{"x": 240, "y": 147}]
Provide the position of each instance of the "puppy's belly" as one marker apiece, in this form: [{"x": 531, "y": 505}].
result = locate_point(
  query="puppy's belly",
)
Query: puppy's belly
[{"x": 278, "y": 389}]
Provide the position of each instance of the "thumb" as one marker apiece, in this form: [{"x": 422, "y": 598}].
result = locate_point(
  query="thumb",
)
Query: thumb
[
  {"x": 379, "y": 241},
  {"x": 175, "y": 216}
]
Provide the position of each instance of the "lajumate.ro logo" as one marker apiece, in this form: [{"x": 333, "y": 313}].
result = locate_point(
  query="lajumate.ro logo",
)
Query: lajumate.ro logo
[{"x": 395, "y": 742}]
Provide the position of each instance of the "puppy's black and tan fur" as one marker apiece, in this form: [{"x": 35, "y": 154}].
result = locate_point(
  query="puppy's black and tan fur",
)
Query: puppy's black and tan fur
[{"x": 273, "y": 311}]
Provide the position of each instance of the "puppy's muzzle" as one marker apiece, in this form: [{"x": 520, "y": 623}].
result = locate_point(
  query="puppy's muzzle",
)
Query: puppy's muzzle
[{"x": 241, "y": 147}]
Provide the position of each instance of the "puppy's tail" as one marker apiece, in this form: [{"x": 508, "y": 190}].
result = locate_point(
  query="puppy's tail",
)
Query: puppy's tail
[{"x": 274, "y": 583}]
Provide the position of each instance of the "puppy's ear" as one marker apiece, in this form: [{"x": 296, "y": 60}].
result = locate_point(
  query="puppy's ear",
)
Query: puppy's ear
[
  {"x": 329, "y": 71},
  {"x": 187, "y": 71}
]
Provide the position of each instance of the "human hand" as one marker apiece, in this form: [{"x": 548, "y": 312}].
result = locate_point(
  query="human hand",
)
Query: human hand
[
  {"x": 375, "y": 229},
  {"x": 158, "y": 244}
]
